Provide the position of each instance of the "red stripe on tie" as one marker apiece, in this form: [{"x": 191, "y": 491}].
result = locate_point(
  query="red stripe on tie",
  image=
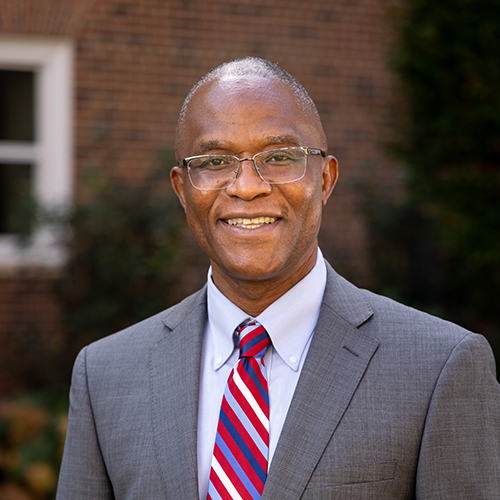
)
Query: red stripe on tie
[
  {"x": 262, "y": 379},
  {"x": 256, "y": 349},
  {"x": 248, "y": 410},
  {"x": 246, "y": 338},
  {"x": 247, "y": 439},
  {"x": 231, "y": 474},
  {"x": 240, "y": 457},
  {"x": 221, "y": 489},
  {"x": 250, "y": 384}
]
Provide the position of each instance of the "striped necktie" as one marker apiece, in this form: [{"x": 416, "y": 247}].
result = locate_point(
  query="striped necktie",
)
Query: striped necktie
[{"x": 239, "y": 462}]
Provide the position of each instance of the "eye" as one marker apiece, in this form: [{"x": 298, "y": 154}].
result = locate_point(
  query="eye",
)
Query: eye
[
  {"x": 215, "y": 162},
  {"x": 211, "y": 162},
  {"x": 281, "y": 156}
]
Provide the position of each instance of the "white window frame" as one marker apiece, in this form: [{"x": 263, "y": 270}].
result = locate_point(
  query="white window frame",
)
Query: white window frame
[{"x": 51, "y": 153}]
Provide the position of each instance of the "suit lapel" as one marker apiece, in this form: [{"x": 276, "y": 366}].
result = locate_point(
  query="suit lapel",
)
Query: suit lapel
[
  {"x": 337, "y": 359},
  {"x": 175, "y": 398}
]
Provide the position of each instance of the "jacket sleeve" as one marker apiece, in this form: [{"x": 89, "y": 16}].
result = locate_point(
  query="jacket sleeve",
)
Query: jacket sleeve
[
  {"x": 460, "y": 452},
  {"x": 83, "y": 473}
]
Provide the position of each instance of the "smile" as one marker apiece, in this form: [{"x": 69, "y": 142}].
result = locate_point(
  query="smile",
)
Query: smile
[{"x": 250, "y": 223}]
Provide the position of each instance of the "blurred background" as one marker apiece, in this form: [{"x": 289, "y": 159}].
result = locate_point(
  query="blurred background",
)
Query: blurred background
[{"x": 92, "y": 239}]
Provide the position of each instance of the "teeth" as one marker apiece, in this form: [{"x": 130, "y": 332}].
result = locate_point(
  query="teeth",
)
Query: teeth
[{"x": 251, "y": 223}]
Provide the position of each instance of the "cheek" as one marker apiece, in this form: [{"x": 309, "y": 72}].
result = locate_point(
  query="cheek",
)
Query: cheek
[
  {"x": 198, "y": 203},
  {"x": 198, "y": 210},
  {"x": 311, "y": 195},
  {"x": 311, "y": 204},
  {"x": 311, "y": 219}
]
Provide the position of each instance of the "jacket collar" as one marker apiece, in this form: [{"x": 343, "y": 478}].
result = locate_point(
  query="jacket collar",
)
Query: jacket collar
[{"x": 337, "y": 359}]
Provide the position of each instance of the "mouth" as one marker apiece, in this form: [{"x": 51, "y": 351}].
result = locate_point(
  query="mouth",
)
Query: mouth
[{"x": 253, "y": 223}]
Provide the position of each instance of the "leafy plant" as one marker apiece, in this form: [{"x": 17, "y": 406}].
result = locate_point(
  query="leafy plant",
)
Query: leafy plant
[
  {"x": 447, "y": 234},
  {"x": 124, "y": 250},
  {"x": 32, "y": 431}
]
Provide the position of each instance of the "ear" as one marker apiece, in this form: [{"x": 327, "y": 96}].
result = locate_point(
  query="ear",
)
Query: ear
[
  {"x": 330, "y": 176},
  {"x": 177, "y": 179}
]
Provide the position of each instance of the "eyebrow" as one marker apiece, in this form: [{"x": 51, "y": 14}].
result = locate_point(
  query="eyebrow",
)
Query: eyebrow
[
  {"x": 281, "y": 139},
  {"x": 208, "y": 145},
  {"x": 266, "y": 141}
]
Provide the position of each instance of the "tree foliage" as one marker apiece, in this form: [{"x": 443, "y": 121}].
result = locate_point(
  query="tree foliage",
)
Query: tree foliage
[
  {"x": 124, "y": 250},
  {"x": 447, "y": 236}
]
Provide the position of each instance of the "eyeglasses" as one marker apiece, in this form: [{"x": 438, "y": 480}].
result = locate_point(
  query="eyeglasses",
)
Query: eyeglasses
[{"x": 276, "y": 166}]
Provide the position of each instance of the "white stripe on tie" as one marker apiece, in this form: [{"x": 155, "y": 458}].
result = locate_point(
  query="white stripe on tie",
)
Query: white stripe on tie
[
  {"x": 225, "y": 480},
  {"x": 251, "y": 400}
]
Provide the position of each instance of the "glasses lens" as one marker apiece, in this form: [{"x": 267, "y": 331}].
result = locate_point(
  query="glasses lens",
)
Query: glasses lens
[
  {"x": 212, "y": 171},
  {"x": 277, "y": 166},
  {"x": 282, "y": 165}
]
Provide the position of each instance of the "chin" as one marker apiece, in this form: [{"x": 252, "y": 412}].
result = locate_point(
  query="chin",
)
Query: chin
[{"x": 255, "y": 271}]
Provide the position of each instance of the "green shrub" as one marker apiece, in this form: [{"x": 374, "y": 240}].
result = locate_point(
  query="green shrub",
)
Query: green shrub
[
  {"x": 32, "y": 432},
  {"x": 447, "y": 234},
  {"x": 124, "y": 254}
]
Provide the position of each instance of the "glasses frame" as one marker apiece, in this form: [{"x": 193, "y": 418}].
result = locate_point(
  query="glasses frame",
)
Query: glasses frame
[{"x": 306, "y": 150}]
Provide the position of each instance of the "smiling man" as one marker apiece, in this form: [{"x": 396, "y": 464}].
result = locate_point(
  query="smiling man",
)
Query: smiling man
[
  {"x": 279, "y": 379},
  {"x": 257, "y": 220}
]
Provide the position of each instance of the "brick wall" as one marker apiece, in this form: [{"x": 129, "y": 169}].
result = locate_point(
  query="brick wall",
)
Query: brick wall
[
  {"x": 136, "y": 61},
  {"x": 30, "y": 332}
]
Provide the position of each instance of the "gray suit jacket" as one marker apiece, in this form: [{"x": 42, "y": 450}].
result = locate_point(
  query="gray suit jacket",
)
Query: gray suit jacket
[{"x": 391, "y": 404}]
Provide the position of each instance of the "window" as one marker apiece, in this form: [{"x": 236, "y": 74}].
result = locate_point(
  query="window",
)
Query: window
[{"x": 35, "y": 143}]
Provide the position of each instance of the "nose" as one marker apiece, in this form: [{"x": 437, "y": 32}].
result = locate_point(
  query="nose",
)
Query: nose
[{"x": 248, "y": 184}]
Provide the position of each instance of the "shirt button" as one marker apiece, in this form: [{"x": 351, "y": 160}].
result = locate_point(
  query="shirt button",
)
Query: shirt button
[
  {"x": 218, "y": 360},
  {"x": 293, "y": 359}
]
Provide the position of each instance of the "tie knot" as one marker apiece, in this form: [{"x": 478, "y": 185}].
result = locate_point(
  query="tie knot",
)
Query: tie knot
[{"x": 254, "y": 340}]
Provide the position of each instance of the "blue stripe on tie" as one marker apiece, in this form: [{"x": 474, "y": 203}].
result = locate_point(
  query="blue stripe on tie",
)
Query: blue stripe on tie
[
  {"x": 251, "y": 343},
  {"x": 212, "y": 491},
  {"x": 249, "y": 334},
  {"x": 235, "y": 415},
  {"x": 253, "y": 375},
  {"x": 262, "y": 474},
  {"x": 247, "y": 424},
  {"x": 236, "y": 467}
]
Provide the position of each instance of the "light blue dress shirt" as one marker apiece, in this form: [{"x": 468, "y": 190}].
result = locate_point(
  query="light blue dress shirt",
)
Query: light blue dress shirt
[{"x": 290, "y": 322}]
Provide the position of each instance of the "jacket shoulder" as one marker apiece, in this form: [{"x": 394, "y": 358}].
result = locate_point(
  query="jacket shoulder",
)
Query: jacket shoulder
[
  {"x": 387, "y": 320},
  {"x": 392, "y": 316}
]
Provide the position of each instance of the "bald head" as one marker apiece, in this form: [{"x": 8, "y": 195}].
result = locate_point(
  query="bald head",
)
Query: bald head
[{"x": 244, "y": 71}]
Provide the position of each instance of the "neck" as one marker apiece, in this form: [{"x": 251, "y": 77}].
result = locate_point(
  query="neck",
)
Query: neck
[{"x": 254, "y": 296}]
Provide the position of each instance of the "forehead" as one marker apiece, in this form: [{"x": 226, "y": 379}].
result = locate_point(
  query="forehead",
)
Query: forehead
[
  {"x": 245, "y": 91},
  {"x": 245, "y": 112}
]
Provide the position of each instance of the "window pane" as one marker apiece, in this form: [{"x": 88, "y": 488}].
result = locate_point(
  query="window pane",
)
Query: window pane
[
  {"x": 15, "y": 196},
  {"x": 17, "y": 105}
]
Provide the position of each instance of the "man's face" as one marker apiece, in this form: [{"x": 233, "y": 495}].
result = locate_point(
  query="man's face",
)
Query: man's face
[{"x": 253, "y": 230}]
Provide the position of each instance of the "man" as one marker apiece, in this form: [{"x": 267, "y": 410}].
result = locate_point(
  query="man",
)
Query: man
[{"x": 351, "y": 395}]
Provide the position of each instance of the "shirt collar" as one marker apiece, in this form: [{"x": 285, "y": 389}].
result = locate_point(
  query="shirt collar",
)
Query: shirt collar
[{"x": 290, "y": 320}]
